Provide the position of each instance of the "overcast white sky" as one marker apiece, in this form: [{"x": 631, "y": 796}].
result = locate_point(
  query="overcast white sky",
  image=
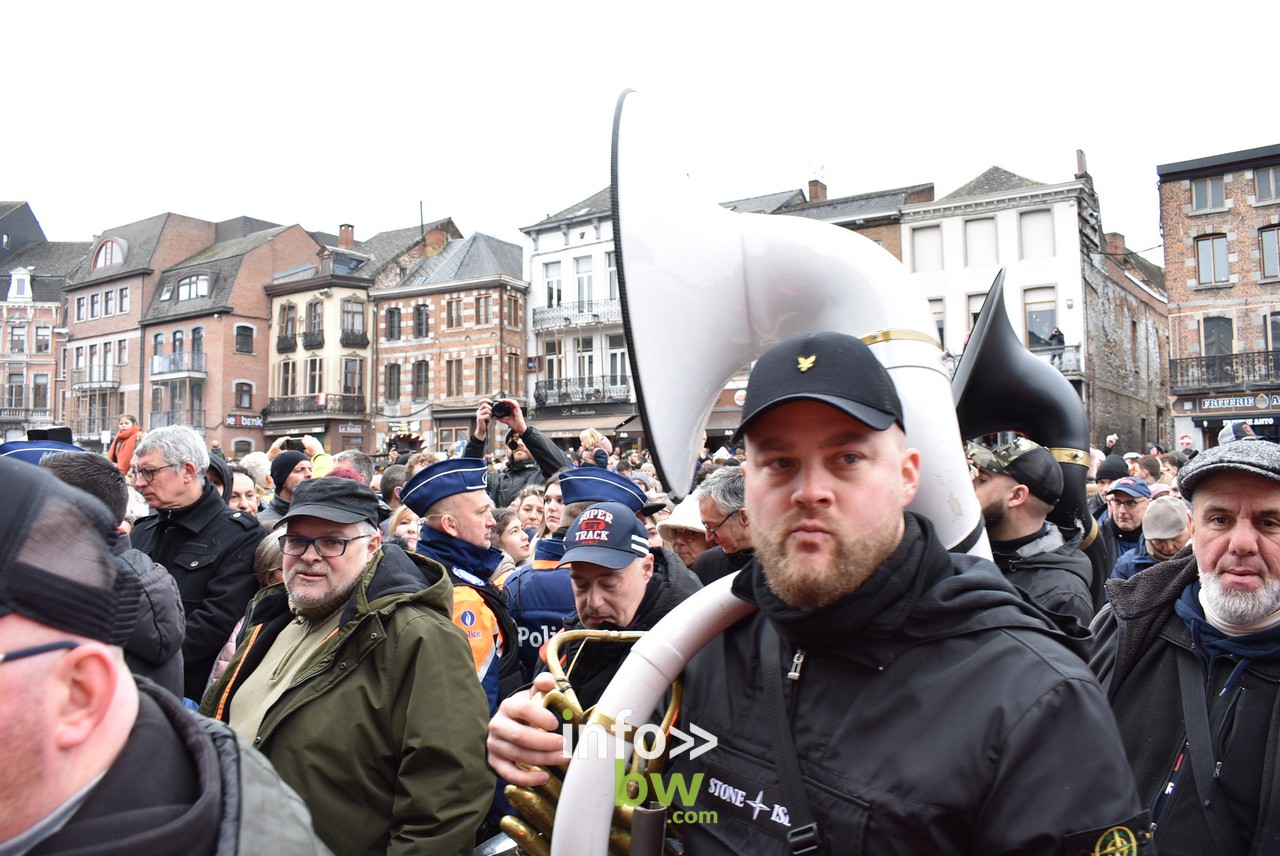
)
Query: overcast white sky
[{"x": 499, "y": 113}]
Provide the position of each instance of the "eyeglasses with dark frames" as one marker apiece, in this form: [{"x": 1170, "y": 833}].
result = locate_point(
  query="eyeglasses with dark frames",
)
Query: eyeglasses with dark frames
[
  {"x": 1128, "y": 504},
  {"x": 148, "y": 474},
  {"x": 326, "y": 546},
  {"x": 34, "y": 650},
  {"x": 715, "y": 528}
]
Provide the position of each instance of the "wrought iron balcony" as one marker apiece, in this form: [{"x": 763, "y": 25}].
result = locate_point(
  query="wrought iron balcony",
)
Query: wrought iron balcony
[
  {"x": 286, "y": 344},
  {"x": 313, "y": 339},
  {"x": 328, "y": 403},
  {"x": 584, "y": 314},
  {"x": 96, "y": 377},
  {"x": 183, "y": 362},
  {"x": 1231, "y": 372},
  {"x": 577, "y": 390},
  {"x": 165, "y": 418},
  {"x": 354, "y": 339}
]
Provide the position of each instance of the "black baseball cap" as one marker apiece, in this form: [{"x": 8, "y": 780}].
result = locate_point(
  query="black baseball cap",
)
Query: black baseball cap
[
  {"x": 56, "y": 563},
  {"x": 335, "y": 499},
  {"x": 1025, "y": 462},
  {"x": 833, "y": 368}
]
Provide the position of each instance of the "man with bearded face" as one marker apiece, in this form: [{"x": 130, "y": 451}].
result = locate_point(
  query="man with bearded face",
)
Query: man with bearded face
[
  {"x": 1189, "y": 652},
  {"x": 927, "y": 706},
  {"x": 341, "y": 678}
]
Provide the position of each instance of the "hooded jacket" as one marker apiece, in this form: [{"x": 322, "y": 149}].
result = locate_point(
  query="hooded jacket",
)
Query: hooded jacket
[
  {"x": 546, "y": 460},
  {"x": 186, "y": 786},
  {"x": 1137, "y": 559},
  {"x": 1140, "y": 640},
  {"x": 382, "y": 731},
  {"x": 154, "y": 649},
  {"x": 1052, "y": 571},
  {"x": 933, "y": 710}
]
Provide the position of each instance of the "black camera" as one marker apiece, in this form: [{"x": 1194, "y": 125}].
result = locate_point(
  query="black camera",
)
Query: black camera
[
  {"x": 501, "y": 410},
  {"x": 294, "y": 444}
]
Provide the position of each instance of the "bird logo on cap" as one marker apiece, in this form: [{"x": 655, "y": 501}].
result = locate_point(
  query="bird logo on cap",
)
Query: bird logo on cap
[{"x": 806, "y": 363}]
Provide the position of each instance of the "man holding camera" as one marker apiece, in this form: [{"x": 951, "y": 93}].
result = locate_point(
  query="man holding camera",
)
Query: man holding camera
[{"x": 533, "y": 458}]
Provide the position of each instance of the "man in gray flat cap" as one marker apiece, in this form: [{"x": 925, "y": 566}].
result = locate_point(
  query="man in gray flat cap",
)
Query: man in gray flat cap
[{"x": 1189, "y": 653}]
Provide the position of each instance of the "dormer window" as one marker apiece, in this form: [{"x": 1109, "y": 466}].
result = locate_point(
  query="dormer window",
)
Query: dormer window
[
  {"x": 110, "y": 253},
  {"x": 191, "y": 287},
  {"x": 20, "y": 285}
]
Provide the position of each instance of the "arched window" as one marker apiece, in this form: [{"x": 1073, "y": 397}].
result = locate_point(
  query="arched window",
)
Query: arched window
[
  {"x": 197, "y": 340},
  {"x": 177, "y": 341},
  {"x": 110, "y": 253},
  {"x": 157, "y": 344}
]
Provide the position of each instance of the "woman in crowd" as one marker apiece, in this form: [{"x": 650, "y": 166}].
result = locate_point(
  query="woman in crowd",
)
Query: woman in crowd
[
  {"x": 528, "y": 507},
  {"x": 403, "y": 524},
  {"x": 511, "y": 539}
]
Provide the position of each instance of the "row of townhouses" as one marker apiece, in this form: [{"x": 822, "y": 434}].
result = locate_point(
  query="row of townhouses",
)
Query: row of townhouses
[{"x": 248, "y": 330}]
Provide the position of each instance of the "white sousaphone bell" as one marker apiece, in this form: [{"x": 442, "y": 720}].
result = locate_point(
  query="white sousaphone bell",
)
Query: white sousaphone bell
[{"x": 706, "y": 291}]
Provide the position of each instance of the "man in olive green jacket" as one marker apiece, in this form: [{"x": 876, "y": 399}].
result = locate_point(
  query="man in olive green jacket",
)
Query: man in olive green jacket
[{"x": 352, "y": 679}]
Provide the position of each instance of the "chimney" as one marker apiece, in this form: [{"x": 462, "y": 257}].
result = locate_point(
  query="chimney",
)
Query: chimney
[
  {"x": 817, "y": 191},
  {"x": 346, "y": 237},
  {"x": 1116, "y": 244},
  {"x": 1082, "y": 168}
]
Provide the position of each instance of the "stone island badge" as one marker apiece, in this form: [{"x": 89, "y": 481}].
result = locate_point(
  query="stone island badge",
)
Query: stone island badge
[
  {"x": 1116, "y": 841},
  {"x": 806, "y": 363}
]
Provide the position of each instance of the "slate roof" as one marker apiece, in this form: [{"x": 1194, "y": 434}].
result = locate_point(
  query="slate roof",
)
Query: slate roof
[
  {"x": 476, "y": 257},
  {"x": 221, "y": 261},
  {"x": 239, "y": 227},
  {"x": 849, "y": 208},
  {"x": 994, "y": 180},
  {"x": 140, "y": 240},
  {"x": 385, "y": 247},
  {"x": 770, "y": 203},
  {"x": 596, "y": 205},
  {"x": 52, "y": 261},
  {"x": 10, "y": 207}
]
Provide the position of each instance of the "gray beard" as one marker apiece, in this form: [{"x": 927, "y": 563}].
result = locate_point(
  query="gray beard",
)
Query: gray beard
[
  {"x": 1237, "y": 607},
  {"x": 317, "y": 613}
]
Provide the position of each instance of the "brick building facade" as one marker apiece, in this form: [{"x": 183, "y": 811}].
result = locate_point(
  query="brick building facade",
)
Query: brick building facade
[{"x": 1221, "y": 220}]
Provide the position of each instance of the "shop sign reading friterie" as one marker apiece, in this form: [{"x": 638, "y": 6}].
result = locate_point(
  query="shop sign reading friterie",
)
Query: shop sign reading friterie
[{"x": 1261, "y": 401}]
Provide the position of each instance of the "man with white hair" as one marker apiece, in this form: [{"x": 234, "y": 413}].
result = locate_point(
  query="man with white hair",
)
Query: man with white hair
[
  {"x": 1165, "y": 531},
  {"x": 1189, "y": 653},
  {"x": 207, "y": 546}
]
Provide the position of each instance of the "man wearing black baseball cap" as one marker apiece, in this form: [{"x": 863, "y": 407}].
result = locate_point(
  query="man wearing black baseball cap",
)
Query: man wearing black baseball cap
[
  {"x": 867, "y": 628},
  {"x": 1018, "y": 484},
  {"x": 358, "y": 642},
  {"x": 96, "y": 761}
]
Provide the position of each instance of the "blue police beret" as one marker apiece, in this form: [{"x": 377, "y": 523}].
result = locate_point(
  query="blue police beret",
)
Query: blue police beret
[
  {"x": 443, "y": 479},
  {"x": 592, "y": 484}
]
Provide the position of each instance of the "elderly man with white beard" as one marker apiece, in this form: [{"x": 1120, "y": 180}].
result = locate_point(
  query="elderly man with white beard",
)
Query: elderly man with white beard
[{"x": 1189, "y": 653}]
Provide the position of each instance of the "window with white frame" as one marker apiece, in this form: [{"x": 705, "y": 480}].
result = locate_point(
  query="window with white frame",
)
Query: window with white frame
[
  {"x": 352, "y": 376},
  {"x": 315, "y": 375},
  {"x": 244, "y": 339},
  {"x": 1035, "y": 234},
  {"x": 1041, "y": 307},
  {"x": 244, "y": 395},
  {"x": 484, "y": 309},
  {"x": 926, "y": 249},
  {"x": 288, "y": 379},
  {"x": 44, "y": 340},
  {"x": 95, "y": 305},
  {"x": 110, "y": 253},
  {"x": 109, "y": 302},
  {"x": 453, "y": 313},
  {"x": 1211, "y": 260},
  {"x": 1207, "y": 194},
  {"x": 1269, "y": 242},
  {"x": 191, "y": 287},
  {"x": 980, "y": 242},
  {"x": 124, "y": 298},
  {"x": 936, "y": 306},
  {"x": 81, "y": 304},
  {"x": 421, "y": 321},
  {"x": 618, "y": 366},
  {"x": 1266, "y": 184},
  {"x": 611, "y": 261},
  {"x": 551, "y": 273},
  {"x": 582, "y": 273},
  {"x": 393, "y": 323}
]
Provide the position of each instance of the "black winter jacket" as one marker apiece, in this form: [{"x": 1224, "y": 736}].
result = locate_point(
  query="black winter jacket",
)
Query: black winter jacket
[
  {"x": 1139, "y": 643},
  {"x": 504, "y": 486},
  {"x": 1053, "y": 572},
  {"x": 154, "y": 649},
  {"x": 185, "y": 785},
  {"x": 934, "y": 711},
  {"x": 208, "y": 548}
]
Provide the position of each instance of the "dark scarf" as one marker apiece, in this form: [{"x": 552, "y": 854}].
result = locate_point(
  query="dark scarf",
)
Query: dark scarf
[
  {"x": 456, "y": 554},
  {"x": 1211, "y": 643}
]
